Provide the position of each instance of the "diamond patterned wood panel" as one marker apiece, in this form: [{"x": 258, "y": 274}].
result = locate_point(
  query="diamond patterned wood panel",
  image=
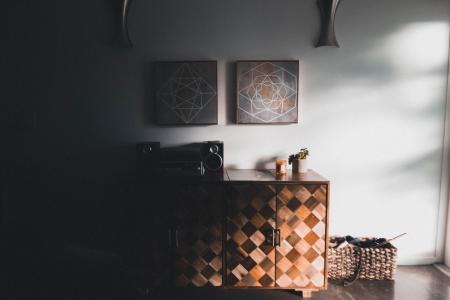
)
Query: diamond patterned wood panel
[
  {"x": 197, "y": 237},
  {"x": 251, "y": 218},
  {"x": 301, "y": 219}
]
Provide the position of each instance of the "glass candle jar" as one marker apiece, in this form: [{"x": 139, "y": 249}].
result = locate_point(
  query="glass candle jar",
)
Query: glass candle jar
[{"x": 280, "y": 166}]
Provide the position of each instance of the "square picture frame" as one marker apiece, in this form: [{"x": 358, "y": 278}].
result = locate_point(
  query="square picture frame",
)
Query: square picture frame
[
  {"x": 267, "y": 92},
  {"x": 186, "y": 93}
]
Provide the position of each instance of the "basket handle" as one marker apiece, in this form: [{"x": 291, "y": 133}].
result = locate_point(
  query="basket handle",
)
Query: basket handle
[{"x": 350, "y": 281}]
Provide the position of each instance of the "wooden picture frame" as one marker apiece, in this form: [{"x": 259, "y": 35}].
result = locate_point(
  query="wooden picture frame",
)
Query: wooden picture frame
[
  {"x": 186, "y": 93},
  {"x": 267, "y": 92}
]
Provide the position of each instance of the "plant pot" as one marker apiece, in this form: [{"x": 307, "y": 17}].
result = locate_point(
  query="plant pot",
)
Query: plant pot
[{"x": 299, "y": 166}]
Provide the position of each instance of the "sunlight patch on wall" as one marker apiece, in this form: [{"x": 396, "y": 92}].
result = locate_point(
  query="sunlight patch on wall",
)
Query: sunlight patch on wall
[
  {"x": 384, "y": 125},
  {"x": 418, "y": 47}
]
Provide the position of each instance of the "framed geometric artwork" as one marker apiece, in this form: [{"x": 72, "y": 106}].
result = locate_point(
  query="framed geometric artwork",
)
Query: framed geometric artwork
[
  {"x": 186, "y": 93},
  {"x": 267, "y": 92}
]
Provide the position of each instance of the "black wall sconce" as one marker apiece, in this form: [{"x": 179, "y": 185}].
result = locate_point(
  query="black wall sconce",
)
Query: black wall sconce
[
  {"x": 125, "y": 36},
  {"x": 328, "y": 10}
]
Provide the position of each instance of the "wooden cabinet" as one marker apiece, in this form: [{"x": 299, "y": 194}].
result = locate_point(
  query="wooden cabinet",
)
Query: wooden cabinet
[{"x": 252, "y": 230}]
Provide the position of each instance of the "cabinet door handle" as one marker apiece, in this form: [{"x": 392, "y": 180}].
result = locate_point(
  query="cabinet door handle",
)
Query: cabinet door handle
[
  {"x": 170, "y": 237},
  {"x": 268, "y": 237},
  {"x": 272, "y": 237},
  {"x": 176, "y": 238},
  {"x": 173, "y": 237},
  {"x": 277, "y": 237}
]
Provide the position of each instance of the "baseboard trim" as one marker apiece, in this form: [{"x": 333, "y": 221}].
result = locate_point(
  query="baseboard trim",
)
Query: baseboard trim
[
  {"x": 418, "y": 261},
  {"x": 443, "y": 268}
]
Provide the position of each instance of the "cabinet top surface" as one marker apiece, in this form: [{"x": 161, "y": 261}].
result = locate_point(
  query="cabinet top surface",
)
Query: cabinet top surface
[{"x": 269, "y": 176}]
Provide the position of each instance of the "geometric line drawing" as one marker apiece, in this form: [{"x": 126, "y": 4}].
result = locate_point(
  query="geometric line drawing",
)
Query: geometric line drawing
[
  {"x": 186, "y": 93},
  {"x": 267, "y": 92}
]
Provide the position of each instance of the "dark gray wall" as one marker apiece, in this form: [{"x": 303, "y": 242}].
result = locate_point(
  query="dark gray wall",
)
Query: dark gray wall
[{"x": 77, "y": 103}]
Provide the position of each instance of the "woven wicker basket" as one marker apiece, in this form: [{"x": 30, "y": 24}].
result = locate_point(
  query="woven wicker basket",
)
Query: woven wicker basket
[{"x": 350, "y": 263}]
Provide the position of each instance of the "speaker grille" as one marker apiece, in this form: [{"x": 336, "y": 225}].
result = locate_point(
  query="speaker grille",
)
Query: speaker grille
[{"x": 212, "y": 156}]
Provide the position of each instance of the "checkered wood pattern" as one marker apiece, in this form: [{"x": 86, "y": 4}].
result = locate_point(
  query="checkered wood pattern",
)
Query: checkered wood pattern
[
  {"x": 251, "y": 218},
  {"x": 301, "y": 219},
  {"x": 197, "y": 237}
]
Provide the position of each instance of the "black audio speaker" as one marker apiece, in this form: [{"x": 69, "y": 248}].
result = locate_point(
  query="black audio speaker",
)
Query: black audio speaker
[
  {"x": 212, "y": 156},
  {"x": 148, "y": 157}
]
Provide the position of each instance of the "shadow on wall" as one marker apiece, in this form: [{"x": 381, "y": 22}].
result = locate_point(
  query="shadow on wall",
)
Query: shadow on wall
[
  {"x": 148, "y": 100},
  {"x": 230, "y": 93},
  {"x": 415, "y": 168},
  {"x": 402, "y": 54},
  {"x": 266, "y": 163}
]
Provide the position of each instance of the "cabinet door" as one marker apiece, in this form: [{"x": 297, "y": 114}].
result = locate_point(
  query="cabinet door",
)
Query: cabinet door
[
  {"x": 196, "y": 236},
  {"x": 301, "y": 220},
  {"x": 250, "y": 252},
  {"x": 147, "y": 235}
]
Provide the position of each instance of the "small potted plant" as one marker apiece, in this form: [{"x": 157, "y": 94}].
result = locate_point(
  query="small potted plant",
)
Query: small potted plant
[{"x": 299, "y": 162}]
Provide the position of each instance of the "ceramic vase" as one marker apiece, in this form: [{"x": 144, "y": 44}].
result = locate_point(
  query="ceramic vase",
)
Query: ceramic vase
[{"x": 300, "y": 166}]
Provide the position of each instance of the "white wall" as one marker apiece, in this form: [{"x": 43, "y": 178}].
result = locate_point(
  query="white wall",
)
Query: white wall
[
  {"x": 447, "y": 237},
  {"x": 446, "y": 175},
  {"x": 371, "y": 112}
]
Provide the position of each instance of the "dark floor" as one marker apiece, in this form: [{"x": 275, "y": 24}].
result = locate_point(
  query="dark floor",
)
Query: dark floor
[{"x": 412, "y": 283}]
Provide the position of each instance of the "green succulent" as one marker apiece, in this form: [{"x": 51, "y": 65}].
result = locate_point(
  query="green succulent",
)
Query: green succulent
[{"x": 302, "y": 154}]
